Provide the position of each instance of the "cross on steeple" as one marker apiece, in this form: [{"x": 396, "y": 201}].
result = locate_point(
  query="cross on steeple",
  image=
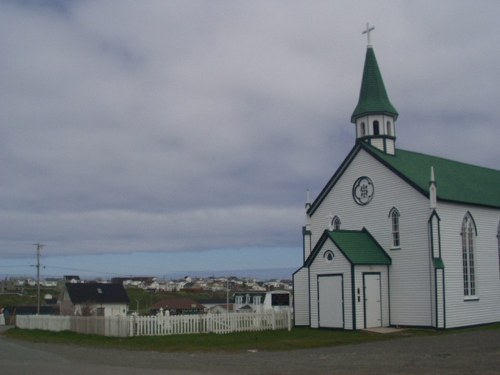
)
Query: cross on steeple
[{"x": 367, "y": 32}]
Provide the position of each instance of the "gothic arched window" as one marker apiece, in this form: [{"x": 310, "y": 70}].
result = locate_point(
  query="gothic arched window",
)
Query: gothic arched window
[
  {"x": 394, "y": 216},
  {"x": 335, "y": 224},
  {"x": 468, "y": 234}
]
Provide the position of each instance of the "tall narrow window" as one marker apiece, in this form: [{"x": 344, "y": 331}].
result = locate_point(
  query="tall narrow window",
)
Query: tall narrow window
[
  {"x": 498, "y": 239},
  {"x": 394, "y": 216},
  {"x": 335, "y": 223},
  {"x": 363, "y": 129},
  {"x": 376, "y": 128},
  {"x": 389, "y": 128},
  {"x": 468, "y": 239}
]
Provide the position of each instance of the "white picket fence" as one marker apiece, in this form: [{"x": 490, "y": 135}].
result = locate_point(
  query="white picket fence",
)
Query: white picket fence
[
  {"x": 160, "y": 325},
  {"x": 117, "y": 326}
]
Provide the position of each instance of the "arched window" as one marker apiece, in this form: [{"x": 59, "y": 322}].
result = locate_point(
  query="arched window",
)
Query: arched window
[
  {"x": 468, "y": 240},
  {"x": 363, "y": 129},
  {"x": 335, "y": 224},
  {"x": 394, "y": 216},
  {"x": 389, "y": 128},
  {"x": 329, "y": 256},
  {"x": 376, "y": 128}
]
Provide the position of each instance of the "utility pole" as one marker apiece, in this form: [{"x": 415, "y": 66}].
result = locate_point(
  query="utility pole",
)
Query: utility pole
[{"x": 39, "y": 247}]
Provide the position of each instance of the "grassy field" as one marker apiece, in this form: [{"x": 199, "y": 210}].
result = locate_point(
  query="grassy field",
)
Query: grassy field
[{"x": 297, "y": 338}]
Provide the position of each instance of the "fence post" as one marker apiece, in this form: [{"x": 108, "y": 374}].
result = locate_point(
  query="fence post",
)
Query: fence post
[{"x": 289, "y": 316}]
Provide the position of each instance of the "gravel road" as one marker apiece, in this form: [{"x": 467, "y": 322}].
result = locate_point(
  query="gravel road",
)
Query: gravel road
[{"x": 475, "y": 352}]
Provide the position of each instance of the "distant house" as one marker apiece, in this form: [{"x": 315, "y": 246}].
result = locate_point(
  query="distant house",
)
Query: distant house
[
  {"x": 262, "y": 301},
  {"x": 216, "y": 306},
  {"x": 94, "y": 299},
  {"x": 72, "y": 278},
  {"x": 178, "y": 306}
]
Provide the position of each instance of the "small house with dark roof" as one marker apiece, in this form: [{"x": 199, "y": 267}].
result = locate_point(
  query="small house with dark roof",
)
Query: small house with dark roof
[
  {"x": 178, "y": 306},
  {"x": 94, "y": 299},
  {"x": 396, "y": 237}
]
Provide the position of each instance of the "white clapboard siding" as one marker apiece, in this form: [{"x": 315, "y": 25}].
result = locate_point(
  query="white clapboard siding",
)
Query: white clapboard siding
[
  {"x": 461, "y": 311},
  {"x": 339, "y": 266},
  {"x": 384, "y": 294},
  {"x": 301, "y": 297},
  {"x": 410, "y": 270}
]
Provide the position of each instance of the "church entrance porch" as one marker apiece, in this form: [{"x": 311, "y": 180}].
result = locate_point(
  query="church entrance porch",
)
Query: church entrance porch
[
  {"x": 372, "y": 300},
  {"x": 331, "y": 301}
]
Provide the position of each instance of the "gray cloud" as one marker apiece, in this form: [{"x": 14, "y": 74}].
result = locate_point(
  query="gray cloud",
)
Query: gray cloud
[{"x": 195, "y": 125}]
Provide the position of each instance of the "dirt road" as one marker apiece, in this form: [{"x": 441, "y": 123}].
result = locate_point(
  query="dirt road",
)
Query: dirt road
[{"x": 460, "y": 353}]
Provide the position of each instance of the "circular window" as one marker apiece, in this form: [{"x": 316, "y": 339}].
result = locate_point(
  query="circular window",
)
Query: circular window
[
  {"x": 363, "y": 190},
  {"x": 328, "y": 256}
]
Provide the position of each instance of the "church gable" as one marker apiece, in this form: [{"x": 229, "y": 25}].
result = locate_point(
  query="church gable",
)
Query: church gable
[
  {"x": 457, "y": 182},
  {"x": 358, "y": 247},
  {"x": 337, "y": 175}
]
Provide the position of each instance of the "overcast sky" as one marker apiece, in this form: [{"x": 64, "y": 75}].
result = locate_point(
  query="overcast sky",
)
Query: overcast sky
[{"x": 196, "y": 127}]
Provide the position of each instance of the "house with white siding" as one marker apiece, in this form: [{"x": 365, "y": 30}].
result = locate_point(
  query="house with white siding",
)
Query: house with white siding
[
  {"x": 94, "y": 299},
  {"x": 399, "y": 238}
]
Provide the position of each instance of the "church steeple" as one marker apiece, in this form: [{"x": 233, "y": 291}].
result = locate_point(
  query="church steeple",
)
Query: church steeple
[{"x": 374, "y": 116}]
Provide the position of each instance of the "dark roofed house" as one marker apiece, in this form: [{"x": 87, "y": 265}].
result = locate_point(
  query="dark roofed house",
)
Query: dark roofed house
[
  {"x": 94, "y": 299},
  {"x": 178, "y": 306},
  {"x": 72, "y": 278}
]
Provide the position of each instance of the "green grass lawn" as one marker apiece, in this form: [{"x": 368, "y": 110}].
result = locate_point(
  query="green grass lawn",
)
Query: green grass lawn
[{"x": 297, "y": 338}]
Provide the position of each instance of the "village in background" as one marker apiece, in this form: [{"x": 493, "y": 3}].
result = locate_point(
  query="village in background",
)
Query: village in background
[{"x": 119, "y": 296}]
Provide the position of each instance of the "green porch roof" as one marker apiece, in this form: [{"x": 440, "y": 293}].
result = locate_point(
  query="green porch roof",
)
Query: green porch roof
[
  {"x": 359, "y": 247},
  {"x": 455, "y": 181}
]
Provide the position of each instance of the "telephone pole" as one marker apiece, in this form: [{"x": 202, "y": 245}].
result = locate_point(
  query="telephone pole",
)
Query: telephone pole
[{"x": 39, "y": 247}]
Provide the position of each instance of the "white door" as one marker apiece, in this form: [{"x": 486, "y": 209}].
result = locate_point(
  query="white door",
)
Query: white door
[
  {"x": 330, "y": 301},
  {"x": 373, "y": 305}
]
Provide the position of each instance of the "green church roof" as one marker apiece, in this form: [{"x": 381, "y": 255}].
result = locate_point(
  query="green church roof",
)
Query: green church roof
[
  {"x": 359, "y": 247},
  {"x": 372, "y": 97},
  {"x": 455, "y": 181}
]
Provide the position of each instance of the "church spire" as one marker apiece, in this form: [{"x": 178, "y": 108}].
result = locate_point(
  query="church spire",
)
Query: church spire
[{"x": 374, "y": 114}]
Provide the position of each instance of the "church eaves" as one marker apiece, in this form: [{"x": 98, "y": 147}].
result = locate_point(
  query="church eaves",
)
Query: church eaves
[{"x": 456, "y": 182}]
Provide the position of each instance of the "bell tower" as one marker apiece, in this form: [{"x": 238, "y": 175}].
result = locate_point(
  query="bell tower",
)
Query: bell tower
[{"x": 374, "y": 116}]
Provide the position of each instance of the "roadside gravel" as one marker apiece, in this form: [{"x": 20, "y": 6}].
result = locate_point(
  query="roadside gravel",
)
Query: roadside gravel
[{"x": 476, "y": 352}]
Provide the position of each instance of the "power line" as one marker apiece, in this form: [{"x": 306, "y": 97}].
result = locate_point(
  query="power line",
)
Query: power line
[{"x": 86, "y": 270}]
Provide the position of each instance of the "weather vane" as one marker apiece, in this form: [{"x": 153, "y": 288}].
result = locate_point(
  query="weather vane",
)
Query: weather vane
[{"x": 367, "y": 32}]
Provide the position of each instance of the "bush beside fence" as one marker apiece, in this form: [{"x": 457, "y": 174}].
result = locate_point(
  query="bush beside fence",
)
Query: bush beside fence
[{"x": 159, "y": 325}]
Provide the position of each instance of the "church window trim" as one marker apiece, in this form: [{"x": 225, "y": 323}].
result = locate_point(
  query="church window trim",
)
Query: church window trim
[
  {"x": 329, "y": 256},
  {"x": 394, "y": 215},
  {"x": 468, "y": 235},
  {"x": 335, "y": 223}
]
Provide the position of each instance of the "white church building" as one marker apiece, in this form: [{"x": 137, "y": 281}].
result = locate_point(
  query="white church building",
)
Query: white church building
[{"x": 399, "y": 238}]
